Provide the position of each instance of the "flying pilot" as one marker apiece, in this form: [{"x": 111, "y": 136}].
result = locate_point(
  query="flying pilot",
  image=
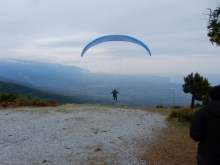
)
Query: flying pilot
[{"x": 115, "y": 92}]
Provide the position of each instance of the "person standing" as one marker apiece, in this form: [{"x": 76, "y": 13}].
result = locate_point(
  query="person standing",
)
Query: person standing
[{"x": 205, "y": 129}]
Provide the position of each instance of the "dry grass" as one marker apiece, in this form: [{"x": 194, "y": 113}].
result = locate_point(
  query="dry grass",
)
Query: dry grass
[{"x": 173, "y": 145}]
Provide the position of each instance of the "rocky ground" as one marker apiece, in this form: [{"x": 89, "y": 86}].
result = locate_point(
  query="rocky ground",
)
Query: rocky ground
[
  {"x": 93, "y": 135},
  {"x": 76, "y": 135}
]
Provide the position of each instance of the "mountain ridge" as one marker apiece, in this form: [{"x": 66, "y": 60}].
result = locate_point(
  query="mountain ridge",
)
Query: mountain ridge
[
  {"x": 135, "y": 90},
  {"x": 10, "y": 86}
]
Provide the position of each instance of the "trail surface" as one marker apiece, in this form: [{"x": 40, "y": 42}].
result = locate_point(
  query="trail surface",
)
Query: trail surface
[{"x": 76, "y": 135}]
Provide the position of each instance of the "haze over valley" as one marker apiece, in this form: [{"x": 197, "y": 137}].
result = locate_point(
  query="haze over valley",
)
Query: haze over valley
[{"x": 139, "y": 90}]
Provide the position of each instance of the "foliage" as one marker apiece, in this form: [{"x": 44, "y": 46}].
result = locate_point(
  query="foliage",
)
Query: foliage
[
  {"x": 183, "y": 115},
  {"x": 214, "y": 26},
  {"x": 159, "y": 106},
  {"x": 15, "y": 100},
  {"x": 197, "y": 86},
  {"x": 12, "y": 87},
  {"x": 175, "y": 106},
  {"x": 7, "y": 97}
]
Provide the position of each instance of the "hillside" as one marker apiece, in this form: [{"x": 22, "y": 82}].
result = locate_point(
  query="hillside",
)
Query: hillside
[
  {"x": 10, "y": 86},
  {"x": 135, "y": 90}
]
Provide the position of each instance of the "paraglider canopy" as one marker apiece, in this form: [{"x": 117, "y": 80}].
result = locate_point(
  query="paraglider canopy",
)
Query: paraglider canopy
[{"x": 114, "y": 38}]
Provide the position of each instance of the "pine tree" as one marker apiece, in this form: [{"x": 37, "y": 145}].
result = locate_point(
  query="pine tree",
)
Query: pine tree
[
  {"x": 197, "y": 86},
  {"x": 214, "y": 26}
]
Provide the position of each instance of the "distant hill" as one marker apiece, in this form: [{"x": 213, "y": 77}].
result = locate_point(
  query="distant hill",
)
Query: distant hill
[
  {"x": 11, "y": 86},
  {"x": 74, "y": 84},
  {"x": 55, "y": 77}
]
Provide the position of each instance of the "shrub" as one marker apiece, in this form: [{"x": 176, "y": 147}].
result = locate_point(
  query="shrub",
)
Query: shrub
[
  {"x": 183, "y": 115},
  {"x": 14, "y": 100},
  {"x": 175, "y": 106},
  {"x": 7, "y": 97},
  {"x": 159, "y": 106},
  {"x": 173, "y": 114}
]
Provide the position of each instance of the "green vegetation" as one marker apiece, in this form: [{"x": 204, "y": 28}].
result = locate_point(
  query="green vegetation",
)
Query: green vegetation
[
  {"x": 16, "y": 100},
  {"x": 9, "y": 86},
  {"x": 175, "y": 106},
  {"x": 197, "y": 86},
  {"x": 214, "y": 26},
  {"x": 183, "y": 115},
  {"x": 160, "y": 106}
]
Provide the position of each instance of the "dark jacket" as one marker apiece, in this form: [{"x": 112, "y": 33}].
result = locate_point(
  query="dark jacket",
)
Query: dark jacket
[
  {"x": 115, "y": 93},
  {"x": 205, "y": 129}
]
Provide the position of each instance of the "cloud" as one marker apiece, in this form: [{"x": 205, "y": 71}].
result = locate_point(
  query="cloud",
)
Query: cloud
[{"x": 57, "y": 31}]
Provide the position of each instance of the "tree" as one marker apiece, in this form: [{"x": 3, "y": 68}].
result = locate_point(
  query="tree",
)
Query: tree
[
  {"x": 214, "y": 26},
  {"x": 197, "y": 86}
]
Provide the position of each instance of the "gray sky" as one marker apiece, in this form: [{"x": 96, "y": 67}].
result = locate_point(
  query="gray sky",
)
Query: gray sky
[{"x": 56, "y": 31}]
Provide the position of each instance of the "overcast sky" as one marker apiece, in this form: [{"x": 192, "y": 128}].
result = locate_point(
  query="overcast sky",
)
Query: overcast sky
[{"x": 56, "y": 31}]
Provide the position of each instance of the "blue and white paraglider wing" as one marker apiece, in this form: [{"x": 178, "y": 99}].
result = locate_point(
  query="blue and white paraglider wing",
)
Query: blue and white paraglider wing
[{"x": 114, "y": 38}]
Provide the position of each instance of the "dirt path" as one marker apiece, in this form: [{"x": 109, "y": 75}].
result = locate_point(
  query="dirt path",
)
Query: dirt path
[{"x": 173, "y": 145}]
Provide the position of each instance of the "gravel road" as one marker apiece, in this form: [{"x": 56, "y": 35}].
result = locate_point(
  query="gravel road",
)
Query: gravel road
[{"x": 75, "y": 135}]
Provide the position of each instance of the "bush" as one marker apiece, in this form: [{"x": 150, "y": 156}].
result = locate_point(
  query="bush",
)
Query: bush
[
  {"x": 173, "y": 114},
  {"x": 175, "y": 106},
  {"x": 7, "y": 97},
  {"x": 159, "y": 106},
  {"x": 183, "y": 115},
  {"x": 14, "y": 100}
]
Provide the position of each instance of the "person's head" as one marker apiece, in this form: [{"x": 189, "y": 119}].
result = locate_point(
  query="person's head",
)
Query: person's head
[
  {"x": 214, "y": 93},
  {"x": 114, "y": 89}
]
